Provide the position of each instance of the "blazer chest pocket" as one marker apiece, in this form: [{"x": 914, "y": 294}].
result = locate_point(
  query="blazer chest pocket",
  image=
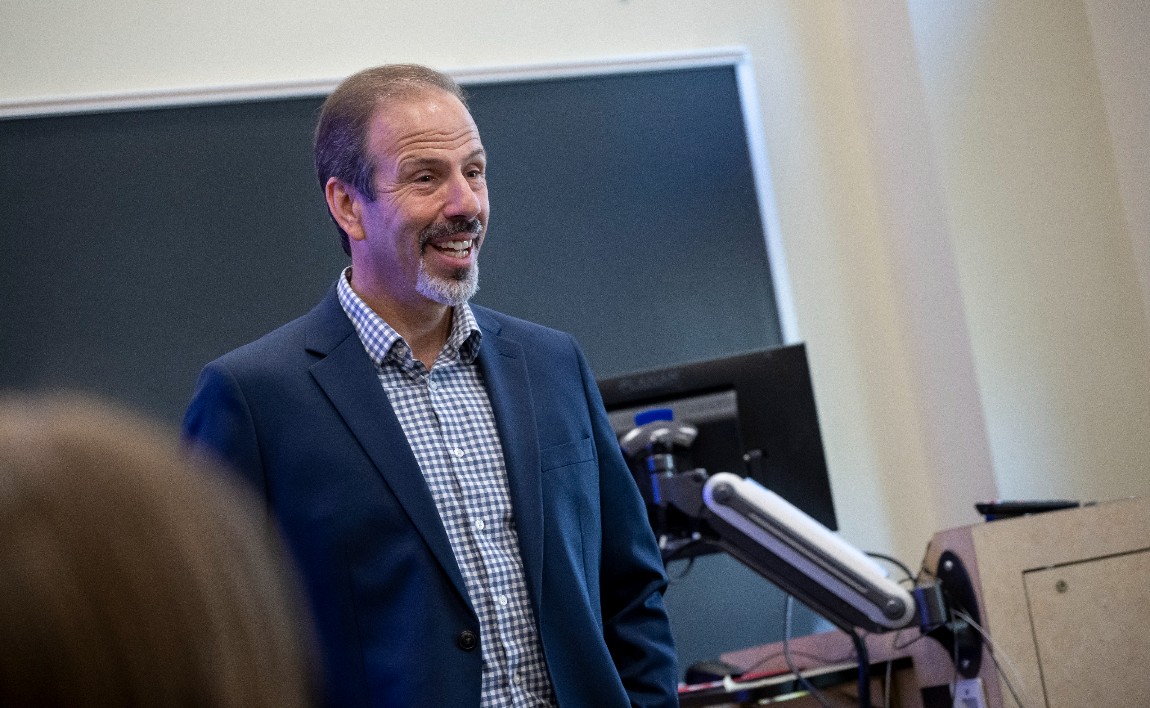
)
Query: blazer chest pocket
[{"x": 566, "y": 454}]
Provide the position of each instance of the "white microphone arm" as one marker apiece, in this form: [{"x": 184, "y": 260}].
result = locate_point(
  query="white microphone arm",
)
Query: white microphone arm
[{"x": 785, "y": 545}]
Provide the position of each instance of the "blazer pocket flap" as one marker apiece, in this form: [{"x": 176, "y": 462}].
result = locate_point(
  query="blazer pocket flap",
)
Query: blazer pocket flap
[{"x": 568, "y": 453}]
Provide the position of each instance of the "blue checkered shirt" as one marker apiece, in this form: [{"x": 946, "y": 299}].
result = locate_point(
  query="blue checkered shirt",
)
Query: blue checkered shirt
[{"x": 447, "y": 418}]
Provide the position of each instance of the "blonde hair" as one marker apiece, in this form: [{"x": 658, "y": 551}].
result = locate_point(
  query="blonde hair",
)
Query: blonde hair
[{"x": 134, "y": 576}]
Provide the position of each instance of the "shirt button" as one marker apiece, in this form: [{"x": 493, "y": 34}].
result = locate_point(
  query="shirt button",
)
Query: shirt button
[
  {"x": 502, "y": 599},
  {"x": 479, "y": 524},
  {"x": 467, "y": 640},
  {"x": 458, "y": 453},
  {"x": 515, "y": 679}
]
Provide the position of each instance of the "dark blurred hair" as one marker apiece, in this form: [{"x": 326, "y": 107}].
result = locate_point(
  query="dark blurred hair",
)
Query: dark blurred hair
[
  {"x": 133, "y": 576},
  {"x": 341, "y": 135}
]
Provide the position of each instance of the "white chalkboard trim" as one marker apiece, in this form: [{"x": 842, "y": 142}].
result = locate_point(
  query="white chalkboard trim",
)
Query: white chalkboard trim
[{"x": 192, "y": 96}]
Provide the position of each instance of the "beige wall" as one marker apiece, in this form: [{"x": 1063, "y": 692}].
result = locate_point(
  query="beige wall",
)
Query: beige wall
[
  {"x": 1121, "y": 38},
  {"x": 960, "y": 194},
  {"x": 1045, "y": 245}
]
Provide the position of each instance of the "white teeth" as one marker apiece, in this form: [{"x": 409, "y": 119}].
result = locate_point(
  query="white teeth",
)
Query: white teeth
[{"x": 459, "y": 248}]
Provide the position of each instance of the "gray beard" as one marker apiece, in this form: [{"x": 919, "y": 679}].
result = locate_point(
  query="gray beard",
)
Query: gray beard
[{"x": 452, "y": 291}]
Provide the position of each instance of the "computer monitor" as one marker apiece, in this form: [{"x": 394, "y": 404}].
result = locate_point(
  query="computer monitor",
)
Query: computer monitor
[{"x": 756, "y": 417}]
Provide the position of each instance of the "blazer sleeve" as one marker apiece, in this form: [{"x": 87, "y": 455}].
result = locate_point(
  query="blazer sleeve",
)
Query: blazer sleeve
[
  {"x": 218, "y": 423},
  {"x": 635, "y": 622}
]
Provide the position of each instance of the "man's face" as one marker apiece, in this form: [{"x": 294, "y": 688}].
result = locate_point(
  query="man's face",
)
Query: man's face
[{"x": 421, "y": 235}]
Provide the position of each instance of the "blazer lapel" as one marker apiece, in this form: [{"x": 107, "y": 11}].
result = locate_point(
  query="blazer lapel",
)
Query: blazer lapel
[
  {"x": 508, "y": 386},
  {"x": 349, "y": 379}
]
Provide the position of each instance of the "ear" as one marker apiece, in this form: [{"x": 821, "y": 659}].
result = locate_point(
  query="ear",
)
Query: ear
[{"x": 345, "y": 204}]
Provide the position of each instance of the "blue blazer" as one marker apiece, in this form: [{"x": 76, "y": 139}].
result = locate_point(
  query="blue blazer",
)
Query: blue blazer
[{"x": 301, "y": 415}]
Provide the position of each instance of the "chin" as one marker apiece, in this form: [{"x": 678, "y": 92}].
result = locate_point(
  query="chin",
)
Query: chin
[{"x": 453, "y": 291}]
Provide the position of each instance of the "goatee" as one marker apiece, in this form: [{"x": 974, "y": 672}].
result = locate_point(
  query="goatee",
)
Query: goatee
[
  {"x": 452, "y": 291},
  {"x": 463, "y": 283}
]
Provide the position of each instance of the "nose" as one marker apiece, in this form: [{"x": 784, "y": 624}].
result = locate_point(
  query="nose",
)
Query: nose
[{"x": 464, "y": 199}]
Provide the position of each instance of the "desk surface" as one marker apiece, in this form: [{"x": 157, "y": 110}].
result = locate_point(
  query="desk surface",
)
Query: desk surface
[{"x": 752, "y": 687}]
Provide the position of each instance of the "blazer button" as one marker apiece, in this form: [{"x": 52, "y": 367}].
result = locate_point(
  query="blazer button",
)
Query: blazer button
[{"x": 467, "y": 640}]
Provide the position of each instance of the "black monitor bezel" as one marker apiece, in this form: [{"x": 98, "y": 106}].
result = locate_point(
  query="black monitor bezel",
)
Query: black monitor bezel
[{"x": 776, "y": 414}]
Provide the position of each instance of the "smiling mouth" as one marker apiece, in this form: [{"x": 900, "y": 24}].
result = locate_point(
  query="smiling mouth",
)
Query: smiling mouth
[
  {"x": 456, "y": 249},
  {"x": 456, "y": 239}
]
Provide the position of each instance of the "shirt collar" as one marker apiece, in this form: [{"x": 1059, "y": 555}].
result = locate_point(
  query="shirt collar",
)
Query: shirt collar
[{"x": 380, "y": 340}]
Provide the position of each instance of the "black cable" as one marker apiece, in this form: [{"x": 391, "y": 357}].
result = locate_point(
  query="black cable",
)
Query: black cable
[
  {"x": 887, "y": 682},
  {"x": 895, "y": 561},
  {"x": 864, "y": 669},
  {"x": 677, "y": 552}
]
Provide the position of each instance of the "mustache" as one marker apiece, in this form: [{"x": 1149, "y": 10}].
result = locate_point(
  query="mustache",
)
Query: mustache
[{"x": 451, "y": 228}]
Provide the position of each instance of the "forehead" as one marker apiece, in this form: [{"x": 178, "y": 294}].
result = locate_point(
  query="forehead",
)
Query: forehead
[{"x": 426, "y": 122}]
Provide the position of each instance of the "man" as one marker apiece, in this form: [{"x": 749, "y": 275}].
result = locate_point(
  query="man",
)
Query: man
[{"x": 445, "y": 474}]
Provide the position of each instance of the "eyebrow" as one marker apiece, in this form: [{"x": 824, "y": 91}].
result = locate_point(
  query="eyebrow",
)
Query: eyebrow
[{"x": 422, "y": 162}]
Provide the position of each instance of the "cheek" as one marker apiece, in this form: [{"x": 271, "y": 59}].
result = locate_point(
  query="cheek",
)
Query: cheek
[{"x": 396, "y": 233}]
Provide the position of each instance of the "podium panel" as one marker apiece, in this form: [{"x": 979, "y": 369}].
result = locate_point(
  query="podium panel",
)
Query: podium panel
[
  {"x": 1065, "y": 600},
  {"x": 1090, "y": 624}
]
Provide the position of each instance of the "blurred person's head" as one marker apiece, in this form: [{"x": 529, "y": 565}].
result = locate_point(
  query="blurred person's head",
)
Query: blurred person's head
[{"x": 131, "y": 575}]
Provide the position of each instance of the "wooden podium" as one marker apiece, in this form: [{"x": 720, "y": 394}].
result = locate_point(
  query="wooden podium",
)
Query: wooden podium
[{"x": 1064, "y": 597}]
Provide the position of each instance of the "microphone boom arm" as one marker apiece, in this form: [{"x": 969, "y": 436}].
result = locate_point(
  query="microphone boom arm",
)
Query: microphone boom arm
[{"x": 792, "y": 550}]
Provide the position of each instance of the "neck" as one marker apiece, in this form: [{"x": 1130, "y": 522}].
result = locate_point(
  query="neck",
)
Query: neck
[
  {"x": 426, "y": 336},
  {"x": 424, "y": 325}
]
